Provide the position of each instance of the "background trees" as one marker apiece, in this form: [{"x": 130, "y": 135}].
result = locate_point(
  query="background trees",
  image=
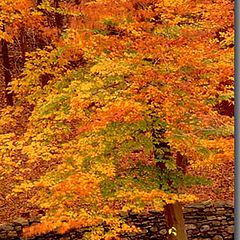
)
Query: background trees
[{"x": 117, "y": 89}]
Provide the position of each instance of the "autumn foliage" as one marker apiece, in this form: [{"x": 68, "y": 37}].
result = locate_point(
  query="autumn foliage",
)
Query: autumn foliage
[{"x": 117, "y": 92}]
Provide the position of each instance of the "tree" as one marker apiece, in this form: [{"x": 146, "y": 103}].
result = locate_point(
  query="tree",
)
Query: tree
[
  {"x": 130, "y": 86},
  {"x": 7, "y": 71},
  {"x": 16, "y": 18}
]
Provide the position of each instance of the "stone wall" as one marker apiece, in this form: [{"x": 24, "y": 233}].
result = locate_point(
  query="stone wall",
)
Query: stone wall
[{"x": 204, "y": 221}]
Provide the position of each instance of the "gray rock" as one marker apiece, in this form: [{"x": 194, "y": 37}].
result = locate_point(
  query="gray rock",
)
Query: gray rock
[
  {"x": 154, "y": 229},
  {"x": 123, "y": 214},
  {"x": 6, "y": 227},
  {"x": 18, "y": 228},
  {"x": 190, "y": 226},
  {"x": 201, "y": 239},
  {"x": 217, "y": 237},
  {"x": 34, "y": 221},
  {"x": 211, "y": 218},
  {"x": 216, "y": 223},
  {"x": 21, "y": 221},
  {"x": 220, "y": 212},
  {"x": 198, "y": 205},
  {"x": 3, "y": 236},
  {"x": 204, "y": 228},
  {"x": 154, "y": 211},
  {"x": 224, "y": 222},
  {"x": 208, "y": 209},
  {"x": 163, "y": 231},
  {"x": 220, "y": 208},
  {"x": 143, "y": 231},
  {"x": 189, "y": 210},
  {"x": 12, "y": 234},
  {"x": 230, "y": 229}
]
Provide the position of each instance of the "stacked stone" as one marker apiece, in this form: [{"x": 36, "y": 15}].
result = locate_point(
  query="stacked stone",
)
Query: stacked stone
[
  {"x": 204, "y": 221},
  {"x": 209, "y": 221},
  {"x": 13, "y": 230},
  {"x": 152, "y": 225}
]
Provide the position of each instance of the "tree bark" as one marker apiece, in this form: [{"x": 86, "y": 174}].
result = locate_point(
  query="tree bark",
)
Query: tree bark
[
  {"x": 174, "y": 219},
  {"x": 58, "y": 17},
  {"x": 173, "y": 212},
  {"x": 7, "y": 72},
  {"x": 22, "y": 45},
  {"x": 39, "y": 2}
]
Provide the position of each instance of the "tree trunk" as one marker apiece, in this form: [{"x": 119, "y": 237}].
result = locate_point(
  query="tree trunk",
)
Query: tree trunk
[
  {"x": 7, "y": 72},
  {"x": 175, "y": 221},
  {"x": 39, "y": 2},
  {"x": 58, "y": 17},
  {"x": 162, "y": 152},
  {"x": 22, "y": 45}
]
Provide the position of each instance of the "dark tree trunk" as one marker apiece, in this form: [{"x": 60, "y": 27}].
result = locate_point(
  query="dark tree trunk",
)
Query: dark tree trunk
[
  {"x": 58, "y": 17},
  {"x": 175, "y": 221},
  {"x": 173, "y": 212},
  {"x": 22, "y": 45},
  {"x": 7, "y": 71},
  {"x": 39, "y": 2}
]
